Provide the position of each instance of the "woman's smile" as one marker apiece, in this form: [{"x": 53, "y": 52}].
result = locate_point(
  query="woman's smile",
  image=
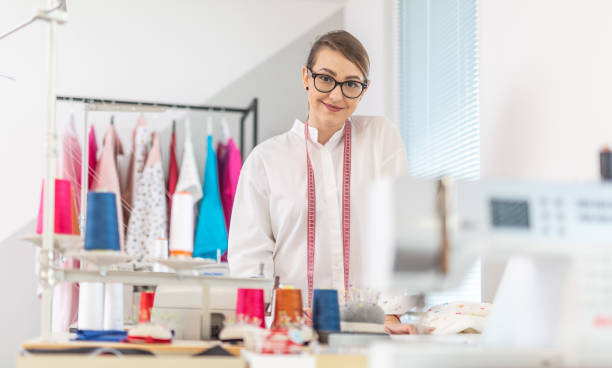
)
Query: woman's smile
[{"x": 332, "y": 108}]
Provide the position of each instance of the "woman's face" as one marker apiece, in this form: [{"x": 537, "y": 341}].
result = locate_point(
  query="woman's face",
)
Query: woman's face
[{"x": 333, "y": 107}]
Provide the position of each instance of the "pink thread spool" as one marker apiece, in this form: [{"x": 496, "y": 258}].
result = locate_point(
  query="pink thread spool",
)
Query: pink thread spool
[
  {"x": 65, "y": 209},
  {"x": 250, "y": 306}
]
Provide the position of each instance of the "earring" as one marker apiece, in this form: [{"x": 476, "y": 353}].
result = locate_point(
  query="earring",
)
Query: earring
[{"x": 307, "y": 88}]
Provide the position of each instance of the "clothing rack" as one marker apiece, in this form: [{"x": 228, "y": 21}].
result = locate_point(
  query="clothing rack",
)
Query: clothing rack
[{"x": 98, "y": 104}]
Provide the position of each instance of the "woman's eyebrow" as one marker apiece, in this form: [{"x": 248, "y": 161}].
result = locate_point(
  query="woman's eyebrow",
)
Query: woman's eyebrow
[{"x": 334, "y": 74}]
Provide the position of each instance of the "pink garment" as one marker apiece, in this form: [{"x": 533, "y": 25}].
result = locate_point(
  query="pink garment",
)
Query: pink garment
[
  {"x": 231, "y": 172},
  {"x": 107, "y": 177},
  {"x": 93, "y": 151},
  {"x": 71, "y": 160},
  {"x": 173, "y": 173}
]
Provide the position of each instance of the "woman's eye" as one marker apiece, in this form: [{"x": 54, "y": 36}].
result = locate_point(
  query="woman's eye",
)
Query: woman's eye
[
  {"x": 325, "y": 78},
  {"x": 352, "y": 84}
]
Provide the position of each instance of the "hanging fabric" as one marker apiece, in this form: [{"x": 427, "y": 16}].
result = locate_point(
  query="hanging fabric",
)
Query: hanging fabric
[
  {"x": 149, "y": 217},
  {"x": 211, "y": 234},
  {"x": 92, "y": 156},
  {"x": 107, "y": 177},
  {"x": 172, "y": 171},
  {"x": 71, "y": 158},
  {"x": 231, "y": 173},
  {"x": 189, "y": 180},
  {"x": 141, "y": 144}
]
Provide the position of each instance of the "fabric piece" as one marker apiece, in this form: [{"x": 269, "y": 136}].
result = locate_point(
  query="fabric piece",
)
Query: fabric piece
[
  {"x": 231, "y": 174},
  {"x": 268, "y": 222},
  {"x": 92, "y": 156},
  {"x": 107, "y": 177},
  {"x": 71, "y": 158},
  {"x": 101, "y": 335},
  {"x": 458, "y": 317},
  {"x": 211, "y": 234},
  {"x": 149, "y": 217},
  {"x": 141, "y": 144},
  {"x": 189, "y": 180},
  {"x": 172, "y": 173}
]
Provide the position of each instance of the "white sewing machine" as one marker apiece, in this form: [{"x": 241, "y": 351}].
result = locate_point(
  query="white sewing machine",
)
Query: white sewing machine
[
  {"x": 197, "y": 311},
  {"x": 554, "y": 304}
]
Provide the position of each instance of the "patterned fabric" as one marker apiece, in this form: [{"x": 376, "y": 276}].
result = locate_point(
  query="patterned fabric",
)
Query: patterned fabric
[
  {"x": 189, "y": 180},
  {"x": 211, "y": 234},
  {"x": 149, "y": 217},
  {"x": 458, "y": 317}
]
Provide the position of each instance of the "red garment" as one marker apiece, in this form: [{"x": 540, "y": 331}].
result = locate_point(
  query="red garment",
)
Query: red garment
[{"x": 172, "y": 173}]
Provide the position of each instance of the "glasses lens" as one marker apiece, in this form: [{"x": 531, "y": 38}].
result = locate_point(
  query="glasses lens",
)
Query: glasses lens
[
  {"x": 352, "y": 89},
  {"x": 324, "y": 83}
]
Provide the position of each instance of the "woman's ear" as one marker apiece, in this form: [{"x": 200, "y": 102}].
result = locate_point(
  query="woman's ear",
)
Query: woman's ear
[
  {"x": 305, "y": 77},
  {"x": 365, "y": 90}
]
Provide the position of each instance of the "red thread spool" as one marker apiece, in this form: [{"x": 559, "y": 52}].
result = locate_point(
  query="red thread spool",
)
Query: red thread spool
[
  {"x": 288, "y": 307},
  {"x": 146, "y": 303},
  {"x": 250, "y": 306}
]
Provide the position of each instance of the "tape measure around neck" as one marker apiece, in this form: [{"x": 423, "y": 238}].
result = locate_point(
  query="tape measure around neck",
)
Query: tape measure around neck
[{"x": 346, "y": 211}]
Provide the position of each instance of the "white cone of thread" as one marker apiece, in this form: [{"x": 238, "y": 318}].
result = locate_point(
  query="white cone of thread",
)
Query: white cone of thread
[
  {"x": 91, "y": 306},
  {"x": 182, "y": 224},
  {"x": 113, "y": 306},
  {"x": 160, "y": 252}
]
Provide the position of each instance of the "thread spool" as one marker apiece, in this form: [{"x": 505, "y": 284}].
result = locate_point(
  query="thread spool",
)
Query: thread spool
[
  {"x": 287, "y": 307},
  {"x": 250, "y": 306},
  {"x": 147, "y": 298},
  {"x": 91, "y": 306},
  {"x": 113, "y": 306},
  {"x": 160, "y": 252},
  {"x": 325, "y": 310},
  {"x": 102, "y": 227},
  {"x": 182, "y": 225},
  {"x": 65, "y": 219}
]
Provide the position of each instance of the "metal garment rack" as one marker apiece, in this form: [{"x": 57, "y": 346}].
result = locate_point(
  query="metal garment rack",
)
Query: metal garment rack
[
  {"x": 119, "y": 105},
  {"x": 100, "y": 104}
]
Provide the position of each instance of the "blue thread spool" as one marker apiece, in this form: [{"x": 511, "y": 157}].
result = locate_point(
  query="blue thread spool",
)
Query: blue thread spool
[
  {"x": 102, "y": 227},
  {"x": 325, "y": 310}
]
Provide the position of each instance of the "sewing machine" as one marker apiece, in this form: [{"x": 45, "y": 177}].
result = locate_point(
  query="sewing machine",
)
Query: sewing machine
[
  {"x": 554, "y": 303},
  {"x": 197, "y": 311}
]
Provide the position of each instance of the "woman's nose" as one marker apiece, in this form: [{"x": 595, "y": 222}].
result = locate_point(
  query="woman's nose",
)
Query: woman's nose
[{"x": 336, "y": 93}]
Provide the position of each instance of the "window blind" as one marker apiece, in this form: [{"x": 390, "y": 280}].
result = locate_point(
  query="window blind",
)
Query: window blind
[{"x": 438, "y": 90}]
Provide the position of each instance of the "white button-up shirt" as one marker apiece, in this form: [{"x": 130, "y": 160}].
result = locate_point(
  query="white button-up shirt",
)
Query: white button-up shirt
[{"x": 269, "y": 216}]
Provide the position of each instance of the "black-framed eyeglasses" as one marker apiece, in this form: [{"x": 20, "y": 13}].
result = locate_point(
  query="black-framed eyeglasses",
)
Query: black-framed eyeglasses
[{"x": 325, "y": 83}]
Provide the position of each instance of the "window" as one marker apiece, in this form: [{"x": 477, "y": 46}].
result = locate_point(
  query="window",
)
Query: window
[{"x": 438, "y": 89}]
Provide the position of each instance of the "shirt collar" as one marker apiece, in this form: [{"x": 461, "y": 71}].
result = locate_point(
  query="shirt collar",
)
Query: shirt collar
[{"x": 313, "y": 133}]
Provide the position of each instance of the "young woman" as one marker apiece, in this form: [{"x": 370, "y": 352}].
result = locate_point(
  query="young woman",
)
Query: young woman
[{"x": 296, "y": 209}]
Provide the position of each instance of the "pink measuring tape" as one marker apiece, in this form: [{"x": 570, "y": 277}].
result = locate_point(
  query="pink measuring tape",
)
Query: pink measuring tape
[{"x": 346, "y": 211}]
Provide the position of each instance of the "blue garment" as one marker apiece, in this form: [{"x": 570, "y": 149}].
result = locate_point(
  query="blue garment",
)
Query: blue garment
[{"x": 211, "y": 233}]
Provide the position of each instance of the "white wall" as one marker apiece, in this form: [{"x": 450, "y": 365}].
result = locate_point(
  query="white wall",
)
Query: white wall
[{"x": 545, "y": 89}]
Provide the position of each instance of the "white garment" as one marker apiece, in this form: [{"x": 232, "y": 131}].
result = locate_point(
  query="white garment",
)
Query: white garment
[
  {"x": 189, "y": 178},
  {"x": 270, "y": 208}
]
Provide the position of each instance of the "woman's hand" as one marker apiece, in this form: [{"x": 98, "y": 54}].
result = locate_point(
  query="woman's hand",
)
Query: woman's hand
[{"x": 394, "y": 326}]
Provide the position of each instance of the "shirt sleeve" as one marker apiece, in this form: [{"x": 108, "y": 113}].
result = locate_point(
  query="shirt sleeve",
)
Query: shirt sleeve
[
  {"x": 251, "y": 242},
  {"x": 394, "y": 159}
]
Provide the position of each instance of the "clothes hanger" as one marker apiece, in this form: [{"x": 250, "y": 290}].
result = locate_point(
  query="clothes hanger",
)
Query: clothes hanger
[
  {"x": 225, "y": 129},
  {"x": 209, "y": 125}
]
